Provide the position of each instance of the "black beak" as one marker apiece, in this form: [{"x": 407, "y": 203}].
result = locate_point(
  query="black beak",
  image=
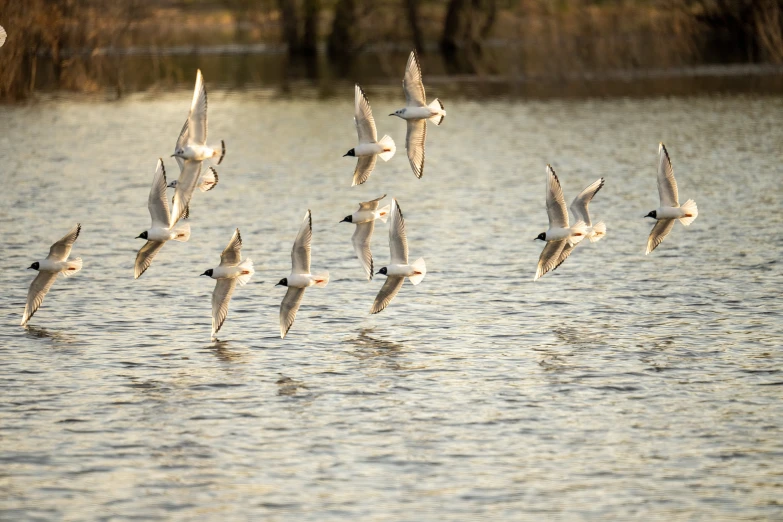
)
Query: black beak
[
  {"x": 203, "y": 274},
  {"x": 30, "y": 268},
  {"x": 378, "y": 272},
  {"x": 344, "y": 155},
  {"x": 139, "y": 237},
  {"x": 343, "y": 221},
  {"x": 392, "y": 114}
]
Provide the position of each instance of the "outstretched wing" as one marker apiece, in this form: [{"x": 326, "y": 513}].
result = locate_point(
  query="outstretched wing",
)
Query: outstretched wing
[
  {"x": 414, "y": 144},
  {"x": 387, "y": 293},
  {"x": 300, "y": 253},
  {"x": 659, "y": 233},
  {"x": 221, "y": 296},
  {"x": 62, "y": 248},
  {"x": 232, "y": 255},
  {"x": 183, "y": 193},
  {"x": 361, "y": 245},
  {"x": 549, "y": 257},
  {"x": 398, "y": 241},
  {"x": 197, "y": 119},
  {"x": 145, "y": 256},
  {"x": 667, "y": 185},
  {"x": 365, "y": 124},
  {"x": 288, "y": 308},
  {"x": 412, "y": 84},
  {"x": 35, "y": 295},
  {"x": 373, "y": 204},
  {"x": 579, "y": 206},
  {"x": 182, "y": 140},
  {"x": 364, "y": 167},
  {"x": 158, "y": 202},
  {"x": 555, "y": 202}
]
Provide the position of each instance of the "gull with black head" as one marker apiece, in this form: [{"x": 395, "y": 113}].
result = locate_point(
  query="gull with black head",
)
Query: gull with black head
[
  {"x": 369, "y": 147},
  {"x": 364, "y": 219}
]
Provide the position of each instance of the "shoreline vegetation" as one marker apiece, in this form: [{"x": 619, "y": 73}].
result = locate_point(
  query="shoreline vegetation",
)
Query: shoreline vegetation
[{"x": 95, "y": 46}]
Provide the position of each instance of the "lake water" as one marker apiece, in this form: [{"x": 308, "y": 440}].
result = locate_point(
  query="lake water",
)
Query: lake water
[{"x": 619, "y": 386}]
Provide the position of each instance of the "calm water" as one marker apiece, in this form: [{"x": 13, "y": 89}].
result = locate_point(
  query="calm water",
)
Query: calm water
[{"x": 621, "y": 386}]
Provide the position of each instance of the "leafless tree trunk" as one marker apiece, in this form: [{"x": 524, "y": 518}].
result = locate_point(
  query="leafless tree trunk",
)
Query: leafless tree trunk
[
  {"x": 341, "y": 43},
  {"x": 290, "y": 25},
  {"x": 310, "y": 36}
]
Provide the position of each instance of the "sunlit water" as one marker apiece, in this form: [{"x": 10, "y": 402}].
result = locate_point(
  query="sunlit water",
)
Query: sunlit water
[{"x": 620, "y": 386}]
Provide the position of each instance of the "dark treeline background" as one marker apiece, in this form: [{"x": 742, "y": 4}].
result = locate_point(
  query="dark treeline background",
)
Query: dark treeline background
[{"x": 126, "y": 45}]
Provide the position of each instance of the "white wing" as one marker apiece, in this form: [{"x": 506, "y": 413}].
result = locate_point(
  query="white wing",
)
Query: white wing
[
  {"x": 659, "y": 233},
  {"x": 3, "y": 35},
  {"x": 387, "y": 293},
  {"x": 158, "y": 202},
  {"x": 197, "y": 119},
  {"x": 372, "y": 204},
  {"x": 361, "y": 245},
  {"x": 412, "y": 84},
  {"x": 364, "y": 167},
  {"x": 232, "y": 254},
  {"x": 62, "y": 249},
  {"x": 567, "y": 249},
  {"x": 145, "y": 256},
  {"x": 35, "y": 296},
  {"x": 288, "y": 308},
  {"x": 549, "y": 257},
  {"x": 221, "y": 296},
  {"x": 300, "y": 254},
  {"x": 667, "y": 186},
  {"x": 183, "y": 193},
  {"x": 398, "y": 242},
  {"x": 365, "y": 124},
  {"x": 414, "y": 143},
  {"x": 182, "y": 140},
  {"x": 579, "y": 205},
  {"x": 555, "y": 202}
]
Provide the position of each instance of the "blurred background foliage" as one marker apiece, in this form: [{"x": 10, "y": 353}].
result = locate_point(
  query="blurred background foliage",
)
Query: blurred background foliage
[{"x": 128, "y": 45}]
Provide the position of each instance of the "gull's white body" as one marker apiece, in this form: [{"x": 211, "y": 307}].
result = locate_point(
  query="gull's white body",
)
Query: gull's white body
[
  {"x": 364, "y": 219},
  {"x": 371, "y": 149},
  {"x": 365, "y": 216},
  {"x": 206, "y": 181},
  {"x": 48, "y": 269},
  {"x": 417, "y": 112},
  {"x": 164, "y": 224},
  {"x": 398, "y": 268},
  {"x": 232, "y": 270},
  {"x": 300, "y": 277},
  {"x": 670, "y": 208}
]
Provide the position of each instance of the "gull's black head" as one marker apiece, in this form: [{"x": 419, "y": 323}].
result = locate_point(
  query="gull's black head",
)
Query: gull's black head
[
  {"x": 34, "y": 266},
  {"x": 541, "y": 236},
  {"x": 143, "y": 235},
  {"x": 350, "y": 153},
  {"x": 208, "y": 273},
  {"x": 653, "y": 214},
  {"x": 348, "y": 219},
  {"x": 399, "y": 113},
  {"x": 382, "y": 271},
  {"x": 283, "y": 282}
]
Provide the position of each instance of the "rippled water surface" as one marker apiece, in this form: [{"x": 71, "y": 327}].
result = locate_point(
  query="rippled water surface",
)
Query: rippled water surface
[{"x": 620, "y": 386}]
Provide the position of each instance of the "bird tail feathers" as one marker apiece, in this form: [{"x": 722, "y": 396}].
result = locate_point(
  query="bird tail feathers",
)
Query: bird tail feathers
[
  {"x": 209, "y": 180},
  {"x": 437, "y": 105},
  {"x": 691, "y": 212},
  {"x": 599, "y": 231},
  {"x": 247, "y": 271},
  {"x": 387, "y": 143},
  {"x": 73, "y": 266},
  {"x": 578, "y": 232},
  {"x": 321, "y": 280},
  {"x": 182, "y": 233},
  {"x": 419, "y": 269},
  {"x": 383, "y": 213}
]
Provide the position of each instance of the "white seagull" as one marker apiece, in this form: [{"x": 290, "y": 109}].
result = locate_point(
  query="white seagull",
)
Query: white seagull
[
  {"x": 559, "y": 234},
  {"x": 416, "y": 113},
  {"x": 55, "y": 263},
  {"x": 364, "y": 219},
  {"x": 191, "y": 148},
  {"x": 230, "y": 271},
  {"x": 579, "y": 212},
  {"x": 300, "y": 277},
  {"x": 163, "y": 224},
  {"x": 398, "y": 268},
  {"x": 369, "y": 147},
  {"x": 670, "y": 209}
]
